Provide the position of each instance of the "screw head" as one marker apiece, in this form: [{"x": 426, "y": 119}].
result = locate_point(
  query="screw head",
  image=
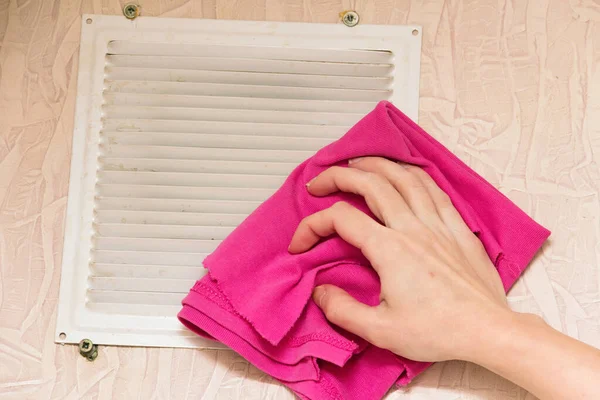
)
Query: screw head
[
  {"x": 350, "y": 18},
  {"x": 131, "y": 11},
  {"x": 88, "y": 349},
  {"x": 85, "y": 346},
  {"x": 93, "y": 355}
]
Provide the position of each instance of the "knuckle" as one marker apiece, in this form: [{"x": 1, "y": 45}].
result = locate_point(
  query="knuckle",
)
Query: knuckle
[
  {"x": 312, "y": 219},
  {"x": 378, "y": 163},
  {"x": 413, "y": 181},
  {"x": 424, "y": 177},
  {"x": 336, "y": 170},
  {"x": 407, "y": 178},
  {"x": 413, "y": 169},
  {"x": 306, "y": 221},
  {"x": 341, "y": 206},
  {"x": 372, "y": 245},
  {"x": 443, "y": 200},
  {"x": 474, "y": 242},
  {"x": 376, "y": 181}
]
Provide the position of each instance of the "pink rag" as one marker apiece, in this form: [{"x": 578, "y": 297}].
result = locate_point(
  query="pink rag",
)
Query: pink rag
[{"x": 256, "y": 297}]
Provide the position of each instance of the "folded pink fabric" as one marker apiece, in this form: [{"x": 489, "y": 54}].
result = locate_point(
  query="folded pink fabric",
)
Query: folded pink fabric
[{"x": 256, "y": 297}]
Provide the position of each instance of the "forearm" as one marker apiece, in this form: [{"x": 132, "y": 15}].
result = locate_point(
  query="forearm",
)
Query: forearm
[{"x": 525, "y": 350}]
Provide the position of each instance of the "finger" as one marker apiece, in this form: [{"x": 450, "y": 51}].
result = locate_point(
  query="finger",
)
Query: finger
[
  {"x": 381, "y": 197},
  {"x": 443, "y": 204},
  {"x": 464, "y": 237},
  {"x": 348, "y": 313},
  {"x": 351, "y": 224},
  {"x": 408, "y": 184}
]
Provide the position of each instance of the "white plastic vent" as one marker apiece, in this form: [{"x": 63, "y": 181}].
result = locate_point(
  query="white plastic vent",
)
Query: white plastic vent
[{"x": 182, "y": 128}]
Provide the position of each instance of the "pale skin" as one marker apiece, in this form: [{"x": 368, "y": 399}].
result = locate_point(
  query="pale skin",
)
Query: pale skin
[{"x": 441, "y": 297}]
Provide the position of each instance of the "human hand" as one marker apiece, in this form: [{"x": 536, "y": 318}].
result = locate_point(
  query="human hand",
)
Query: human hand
[
  {"x": 439, "y": 289},
  {"x": 441, "y": 297}
]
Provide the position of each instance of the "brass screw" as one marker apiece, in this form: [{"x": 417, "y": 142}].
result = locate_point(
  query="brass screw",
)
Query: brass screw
[
  {"x": 88, "y": 349},
  {"x": 350, "y": 18},
  {"x": 131, "y": 11}
]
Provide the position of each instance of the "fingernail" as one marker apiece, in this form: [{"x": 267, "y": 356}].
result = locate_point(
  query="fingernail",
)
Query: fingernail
[
  {"x": 318, "y": 295},
  {"x": 355, "y": 160},
  {"x": 310, "y": 182},
  {"x": 403, "y": 165}
]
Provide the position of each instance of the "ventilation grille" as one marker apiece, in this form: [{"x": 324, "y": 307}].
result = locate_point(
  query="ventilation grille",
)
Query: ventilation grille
[{"x": 191, "y": 138}]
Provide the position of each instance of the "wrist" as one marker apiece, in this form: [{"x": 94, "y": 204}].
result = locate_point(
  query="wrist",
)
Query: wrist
[{"x": 508, "y": 333}]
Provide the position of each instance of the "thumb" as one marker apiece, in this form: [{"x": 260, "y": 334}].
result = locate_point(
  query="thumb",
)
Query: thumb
[{"x": 346, "y": 312}]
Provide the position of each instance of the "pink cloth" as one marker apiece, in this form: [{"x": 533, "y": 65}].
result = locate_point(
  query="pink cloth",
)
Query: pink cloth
[{"x": 256, "y": 297}]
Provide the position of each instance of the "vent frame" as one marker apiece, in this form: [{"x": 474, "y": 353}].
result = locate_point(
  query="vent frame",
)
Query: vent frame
[{"x": 76, "y": 319}]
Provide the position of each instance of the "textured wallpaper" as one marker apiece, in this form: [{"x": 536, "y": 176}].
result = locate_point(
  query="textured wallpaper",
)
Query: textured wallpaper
[{"x": 512, "y": 87}]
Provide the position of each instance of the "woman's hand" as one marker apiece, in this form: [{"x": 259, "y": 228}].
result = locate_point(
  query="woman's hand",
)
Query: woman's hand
[
  {"x": 441, "y": 297},
  {"x": 439, "y": 289}
]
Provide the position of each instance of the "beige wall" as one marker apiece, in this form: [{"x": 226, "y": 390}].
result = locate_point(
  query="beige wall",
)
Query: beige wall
[{"x": 511, "y": 86}]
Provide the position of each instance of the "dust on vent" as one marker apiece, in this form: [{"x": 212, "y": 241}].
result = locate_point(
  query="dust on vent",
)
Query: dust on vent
[{"x": 182, "y": 128}]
